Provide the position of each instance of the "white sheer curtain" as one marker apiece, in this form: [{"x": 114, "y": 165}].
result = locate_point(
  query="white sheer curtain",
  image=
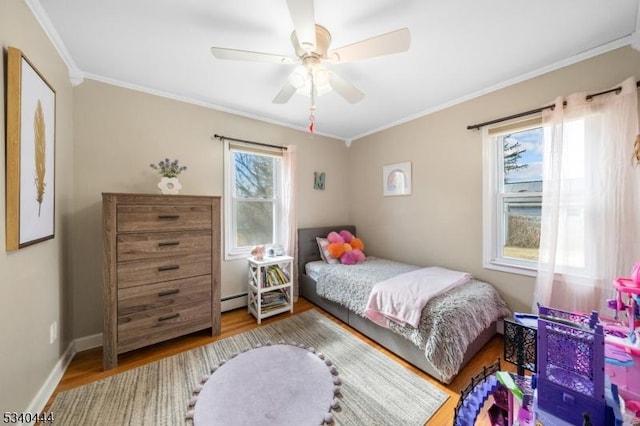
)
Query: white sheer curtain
[
  {"x": 289, "y": 216},
  {"x": 591, "y": 199}
]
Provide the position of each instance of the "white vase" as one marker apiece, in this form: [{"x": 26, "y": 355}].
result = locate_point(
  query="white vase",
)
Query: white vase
[{"x": 169, "y": 185}]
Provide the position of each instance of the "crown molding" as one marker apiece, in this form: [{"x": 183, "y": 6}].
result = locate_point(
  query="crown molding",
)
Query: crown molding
[
  {"x": 192, "y": 101},
  {"x": 599, "y": 50},
  {"x": 76, "y": 76}
]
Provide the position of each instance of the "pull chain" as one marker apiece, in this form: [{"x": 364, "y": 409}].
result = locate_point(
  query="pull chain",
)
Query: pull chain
[
  {"x": 312, "y": 109},
  {"x": 311, "y": 119}
]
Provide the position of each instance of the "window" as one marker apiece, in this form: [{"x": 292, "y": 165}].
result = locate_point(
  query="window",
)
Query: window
[
  {"x": 512, "y": 200},
  {"x": 252, "y": 198}
]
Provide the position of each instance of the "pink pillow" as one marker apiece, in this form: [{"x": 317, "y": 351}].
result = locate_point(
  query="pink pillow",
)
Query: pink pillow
[
  {"x": 346, "y": 236},
  {"x": 334, "y": 237}
]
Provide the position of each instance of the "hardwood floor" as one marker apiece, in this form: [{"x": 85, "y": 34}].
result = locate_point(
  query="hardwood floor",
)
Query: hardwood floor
[{"x": 86, "y": 366}]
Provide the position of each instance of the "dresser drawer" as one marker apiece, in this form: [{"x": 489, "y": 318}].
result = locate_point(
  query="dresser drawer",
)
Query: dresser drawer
[
  {"x": 153, "y": 326},
  {"x": 141, "y": 218},
  {"x": 163, "y": 244},
  {"x": 144, "y": 298},
  {"x": 147, "y": 271}
]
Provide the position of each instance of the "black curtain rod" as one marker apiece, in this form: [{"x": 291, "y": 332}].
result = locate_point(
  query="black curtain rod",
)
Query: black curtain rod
[
  {"x": 538, "y": 110},
  {"x": 284, "y": 148}
]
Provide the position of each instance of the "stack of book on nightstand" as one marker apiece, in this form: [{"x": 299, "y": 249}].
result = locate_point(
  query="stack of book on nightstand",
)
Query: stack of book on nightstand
[
  {"x": 274, "y": 275},
  {"x": 273, "y": 300}
]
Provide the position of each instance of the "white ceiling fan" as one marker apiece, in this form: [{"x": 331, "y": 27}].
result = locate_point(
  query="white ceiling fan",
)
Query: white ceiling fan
[{"x": 311, "y": 44}]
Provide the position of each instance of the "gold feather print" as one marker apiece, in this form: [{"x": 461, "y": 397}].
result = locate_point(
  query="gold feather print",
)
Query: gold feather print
[{"x": 40, "y": 159}]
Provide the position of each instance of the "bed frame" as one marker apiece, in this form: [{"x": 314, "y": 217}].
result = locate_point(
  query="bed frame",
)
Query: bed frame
[{"x": 399, "y": 345}]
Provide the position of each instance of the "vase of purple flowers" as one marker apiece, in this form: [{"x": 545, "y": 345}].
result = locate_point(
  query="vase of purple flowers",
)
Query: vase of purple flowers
[{"x": 169, "y": 170}]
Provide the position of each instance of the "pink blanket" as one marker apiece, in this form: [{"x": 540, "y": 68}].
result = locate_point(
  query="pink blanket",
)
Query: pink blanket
[{"x": 402, "y": 298}]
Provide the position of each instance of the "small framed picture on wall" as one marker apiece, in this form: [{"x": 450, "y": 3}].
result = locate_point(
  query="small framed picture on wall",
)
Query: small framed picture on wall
[
  {"x": 318, "y": 180},
  {"x": 396, "y": 179}
]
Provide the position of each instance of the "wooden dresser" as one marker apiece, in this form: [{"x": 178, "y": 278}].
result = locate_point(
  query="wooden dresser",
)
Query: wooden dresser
[{"x": 161, "y": 273}]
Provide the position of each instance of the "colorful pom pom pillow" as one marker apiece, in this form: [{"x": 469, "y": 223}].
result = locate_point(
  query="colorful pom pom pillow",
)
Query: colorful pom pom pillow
[{"x": 343, "y": 247}]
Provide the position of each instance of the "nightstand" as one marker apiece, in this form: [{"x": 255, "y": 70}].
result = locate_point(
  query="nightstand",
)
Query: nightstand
[{"x": 270, "y": 286}]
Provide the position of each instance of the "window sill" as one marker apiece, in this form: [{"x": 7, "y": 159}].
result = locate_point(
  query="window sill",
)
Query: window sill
[
  {"x": 511, "y": 268},
  {"x": 237, "y": 255}
]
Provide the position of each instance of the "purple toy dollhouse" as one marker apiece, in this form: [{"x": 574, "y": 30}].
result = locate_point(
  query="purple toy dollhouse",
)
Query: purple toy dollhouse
[{"x": 571, "y": 384}]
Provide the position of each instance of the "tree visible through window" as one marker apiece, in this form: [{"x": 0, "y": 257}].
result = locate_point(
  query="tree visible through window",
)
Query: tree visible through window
[
  {"x": 512, "y": 152},
  {"x": 255, "y": 191},
  {"x": 254, "y": 198}
]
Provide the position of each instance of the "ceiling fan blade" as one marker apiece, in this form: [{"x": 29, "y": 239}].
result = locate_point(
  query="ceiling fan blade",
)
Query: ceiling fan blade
[
  {"x": 384, "y": 44},
  {"x": 285, "y": 94},
  {"x": 345, "y": 89},
  {"x": 304, "y": 23},
  {"x": 246, "y": 55}
]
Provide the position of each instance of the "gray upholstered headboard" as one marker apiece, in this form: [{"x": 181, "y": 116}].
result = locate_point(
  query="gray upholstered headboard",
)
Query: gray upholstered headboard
[{"x": 307, "y": 245}]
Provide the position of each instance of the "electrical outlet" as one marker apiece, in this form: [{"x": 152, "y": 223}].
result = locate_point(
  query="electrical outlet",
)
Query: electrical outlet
[{"x": 53, "y": 332}]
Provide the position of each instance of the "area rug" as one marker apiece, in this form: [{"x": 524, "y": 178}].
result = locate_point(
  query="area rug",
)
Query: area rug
[
  {"x": 375, "y": 390},
  {"x": 262, "y": 376}
]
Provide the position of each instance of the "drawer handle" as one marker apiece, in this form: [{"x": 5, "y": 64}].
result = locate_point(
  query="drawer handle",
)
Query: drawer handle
[
  {"x": 168, "y": 216},
  {"x": 169, "y": 292},
  {"x": 168, "y": 268},
  {"x": 168, "y": 317},
  {"x": 169, "y": 243}
]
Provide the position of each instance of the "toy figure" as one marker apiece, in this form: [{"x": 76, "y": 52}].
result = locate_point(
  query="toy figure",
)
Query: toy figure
[{"x": 258, "y": 252}]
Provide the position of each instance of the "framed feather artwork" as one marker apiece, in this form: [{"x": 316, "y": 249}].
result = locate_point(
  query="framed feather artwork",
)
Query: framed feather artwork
[{"x": 30, "y": 180}]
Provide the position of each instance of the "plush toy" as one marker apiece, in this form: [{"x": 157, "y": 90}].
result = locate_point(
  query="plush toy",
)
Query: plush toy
[
  {"x": 345, "y": 247},
  {"x": 258, "y": 252}
]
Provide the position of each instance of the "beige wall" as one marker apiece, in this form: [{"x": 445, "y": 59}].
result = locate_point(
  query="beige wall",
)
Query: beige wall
[
  {"x": 34, "y": 284},
  {"x": 107, "y": 136},
  {"x": 441, "y": 222},
  {"x": 119, "y": 132}
]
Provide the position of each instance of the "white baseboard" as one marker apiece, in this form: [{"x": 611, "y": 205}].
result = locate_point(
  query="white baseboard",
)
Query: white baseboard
[
  {"x": 42, "y": 397},
  {"x": 82, "y": 344},
  {"x": 49, "y": 386},
  {"x": 88, "y": 342}
]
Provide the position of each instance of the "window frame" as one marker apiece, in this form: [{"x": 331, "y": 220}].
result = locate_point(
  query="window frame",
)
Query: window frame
[
  {"x": 231, "y": 251},
  {"x": 493, "y": 200}
]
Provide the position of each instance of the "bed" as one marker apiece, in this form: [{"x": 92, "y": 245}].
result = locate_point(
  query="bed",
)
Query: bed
[{"x": 453, "y": 326}]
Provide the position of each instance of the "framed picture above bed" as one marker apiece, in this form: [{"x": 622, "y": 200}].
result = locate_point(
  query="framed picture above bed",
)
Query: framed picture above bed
[
  {"x": 396, "y": 179},
  {"x": 30, "y": 186}
]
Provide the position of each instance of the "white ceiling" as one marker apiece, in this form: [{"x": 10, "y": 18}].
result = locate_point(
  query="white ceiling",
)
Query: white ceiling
[{"x": 459, "y": 49}]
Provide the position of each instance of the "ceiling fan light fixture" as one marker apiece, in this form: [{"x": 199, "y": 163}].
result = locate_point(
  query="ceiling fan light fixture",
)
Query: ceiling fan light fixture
[
  {"x": 299, "y": 77},
  {"x": 319, "y": 89},
  {"x": 323, "y": 90},
  {"x": 320, "y": 75}
]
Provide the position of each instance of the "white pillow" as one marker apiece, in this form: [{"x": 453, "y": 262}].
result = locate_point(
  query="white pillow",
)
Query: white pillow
[{"x": 323, "y": 245}]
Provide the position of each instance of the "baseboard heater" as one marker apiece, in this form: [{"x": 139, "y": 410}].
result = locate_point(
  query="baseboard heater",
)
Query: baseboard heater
[
  {"x": 235, "y": 301},
  {"x": 235, "y": 296}
]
